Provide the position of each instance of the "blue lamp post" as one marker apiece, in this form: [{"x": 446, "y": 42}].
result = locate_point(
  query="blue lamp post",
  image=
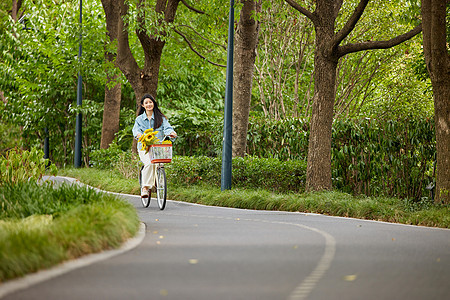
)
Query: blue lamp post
[
  {"x": 228, "y": 120},
  {"x": 78, "y": 133}
]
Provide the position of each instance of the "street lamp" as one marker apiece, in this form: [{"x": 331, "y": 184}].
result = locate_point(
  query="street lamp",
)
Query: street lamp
[
  {"x": 77, "y": 159},
  {"x": 228, "y": 120}
]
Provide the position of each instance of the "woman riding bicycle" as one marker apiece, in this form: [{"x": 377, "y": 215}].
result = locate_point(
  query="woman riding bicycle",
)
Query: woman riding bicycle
[{"x": 150, "y": 117}]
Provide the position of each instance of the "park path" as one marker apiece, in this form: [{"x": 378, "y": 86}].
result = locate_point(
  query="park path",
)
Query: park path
[{"x": 198, "y": 252}]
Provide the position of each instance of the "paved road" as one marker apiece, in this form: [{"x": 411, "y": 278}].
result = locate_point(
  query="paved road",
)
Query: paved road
[{"x": 198, "y": 252}]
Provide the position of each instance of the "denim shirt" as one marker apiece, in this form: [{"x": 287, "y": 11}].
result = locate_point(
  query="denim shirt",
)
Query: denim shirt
[{"x": 142, "y": 123}]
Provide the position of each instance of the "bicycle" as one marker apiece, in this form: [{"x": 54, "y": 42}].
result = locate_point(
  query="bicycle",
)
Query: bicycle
[{"x": 160, "y": 154}]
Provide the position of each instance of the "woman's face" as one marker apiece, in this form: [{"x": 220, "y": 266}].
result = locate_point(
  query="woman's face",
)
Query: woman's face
[{"x": 148, "y": 104}]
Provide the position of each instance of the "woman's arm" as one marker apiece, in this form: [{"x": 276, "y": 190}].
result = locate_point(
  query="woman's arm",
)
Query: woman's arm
[{"x": 168, "y": 129}]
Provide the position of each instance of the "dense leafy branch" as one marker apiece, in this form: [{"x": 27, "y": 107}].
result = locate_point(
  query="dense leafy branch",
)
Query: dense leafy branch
[
  {"x": 350, "y": 48},
  {"x": 302, "y": 10},
  {"x": 351, "y": 23},
  {"x": 192, "y": 8},
  {"x": 204, "y": 38},
  {"x": 185, "y": 38}
]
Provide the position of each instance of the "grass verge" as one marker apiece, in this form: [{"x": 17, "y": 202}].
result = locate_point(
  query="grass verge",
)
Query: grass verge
[
  {"x": 42, "y": 225},
  {"x": 329, "y": 203}
]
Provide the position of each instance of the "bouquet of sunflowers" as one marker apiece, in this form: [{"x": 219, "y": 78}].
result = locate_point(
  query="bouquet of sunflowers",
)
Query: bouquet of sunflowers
[{"x": 148, "y": 138}]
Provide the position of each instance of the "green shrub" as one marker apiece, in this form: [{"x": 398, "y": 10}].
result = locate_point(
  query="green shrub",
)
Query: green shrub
[
  {"x": 392, "y": 158},
  {"x": 105, "y": 158},
  {"x": 10, "y": 136},
  {"x": 250, "y": 172},
  {"x": 20, "y": 166},
  {"x": 125, "y": 163}
]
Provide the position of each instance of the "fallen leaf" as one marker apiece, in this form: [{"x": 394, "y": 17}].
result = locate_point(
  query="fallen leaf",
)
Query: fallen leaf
[
  {"x": 163, "y": 292},
  {"x": 193, "y": 261},
  {"x": 350, "y": 278}
]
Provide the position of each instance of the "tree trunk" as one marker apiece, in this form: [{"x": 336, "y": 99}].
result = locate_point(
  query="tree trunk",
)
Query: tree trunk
[
  {"x": 318, "y": 171},
  {"x": 111, "y": 106},
  {"x": 111, "y": 112},
  {"x": 438, "y": 64},
  {"x": 244, "y": 62},
  {"x": 16, "y": 5},
  {"x": 441, "y": 90}
]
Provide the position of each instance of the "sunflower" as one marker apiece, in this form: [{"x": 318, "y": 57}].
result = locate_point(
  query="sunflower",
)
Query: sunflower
[{"x": 148, "y": 138}]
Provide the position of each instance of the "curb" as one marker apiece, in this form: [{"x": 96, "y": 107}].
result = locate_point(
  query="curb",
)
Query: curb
[{"x": 43, "y": 275}]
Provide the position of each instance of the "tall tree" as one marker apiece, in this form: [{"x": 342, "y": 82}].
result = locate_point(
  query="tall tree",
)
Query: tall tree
[
  {"x": 152, "y": 25},
  {"x": 328, "y": 51},
  {"x": 151, "y": 37},
  {"x": 246, "y": 42},
  {"x": 145, "y": 79},
  {"x": 436, "y": 52}
]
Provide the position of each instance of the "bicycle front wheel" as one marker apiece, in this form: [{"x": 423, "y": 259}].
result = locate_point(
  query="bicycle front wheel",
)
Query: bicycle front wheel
[
  {"x": 145, "y": 200},
  {"x": 161, "y": 187}
]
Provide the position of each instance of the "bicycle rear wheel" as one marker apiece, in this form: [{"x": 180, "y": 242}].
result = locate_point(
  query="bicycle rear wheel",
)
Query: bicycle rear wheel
[
  {"x": 161, "y": 187},
  {"x": 145, "y": 200}
]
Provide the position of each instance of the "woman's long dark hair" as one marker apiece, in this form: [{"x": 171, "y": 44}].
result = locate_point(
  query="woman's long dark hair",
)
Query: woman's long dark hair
[{"x": 157, "y": 114}]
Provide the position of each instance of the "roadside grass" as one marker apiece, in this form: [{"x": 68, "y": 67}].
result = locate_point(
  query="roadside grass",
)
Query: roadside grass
[
  {"x": 108, "y": 180},
  {"x": 329, "y": 203},
  {"x": 42, "y": 225}
]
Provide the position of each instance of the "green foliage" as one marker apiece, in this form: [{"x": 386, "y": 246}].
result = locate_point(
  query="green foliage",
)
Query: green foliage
[
  {"x": 124, "y": 137},
  {"x": 391, "y": 158},
  {"x": 250, "y": 172},
  {"x": 39, "y": 70},
  {"x": 368, "y": 156},
  {"x": 286, "y": 139},
  {"x": 124, "y": 162},
  {"x": 284, "y": 65},
  {"x": 198, "y": 132},
  {"x": 10, "y": 136},
  {"x": 184, "y": 89},
  {"x": 20, "y": 166},
  {"x": 105, "y": 158}
]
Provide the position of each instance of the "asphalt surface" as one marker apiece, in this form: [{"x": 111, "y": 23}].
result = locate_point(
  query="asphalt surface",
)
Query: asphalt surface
[{"x": 197, "y": 252}]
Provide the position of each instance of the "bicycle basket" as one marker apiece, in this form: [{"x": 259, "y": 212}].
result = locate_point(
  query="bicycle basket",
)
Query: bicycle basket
[{"x": 160, "y": 153}]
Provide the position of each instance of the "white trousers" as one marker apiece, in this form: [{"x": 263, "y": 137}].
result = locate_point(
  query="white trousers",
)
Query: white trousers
[{"x": 149, "y": 170}]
